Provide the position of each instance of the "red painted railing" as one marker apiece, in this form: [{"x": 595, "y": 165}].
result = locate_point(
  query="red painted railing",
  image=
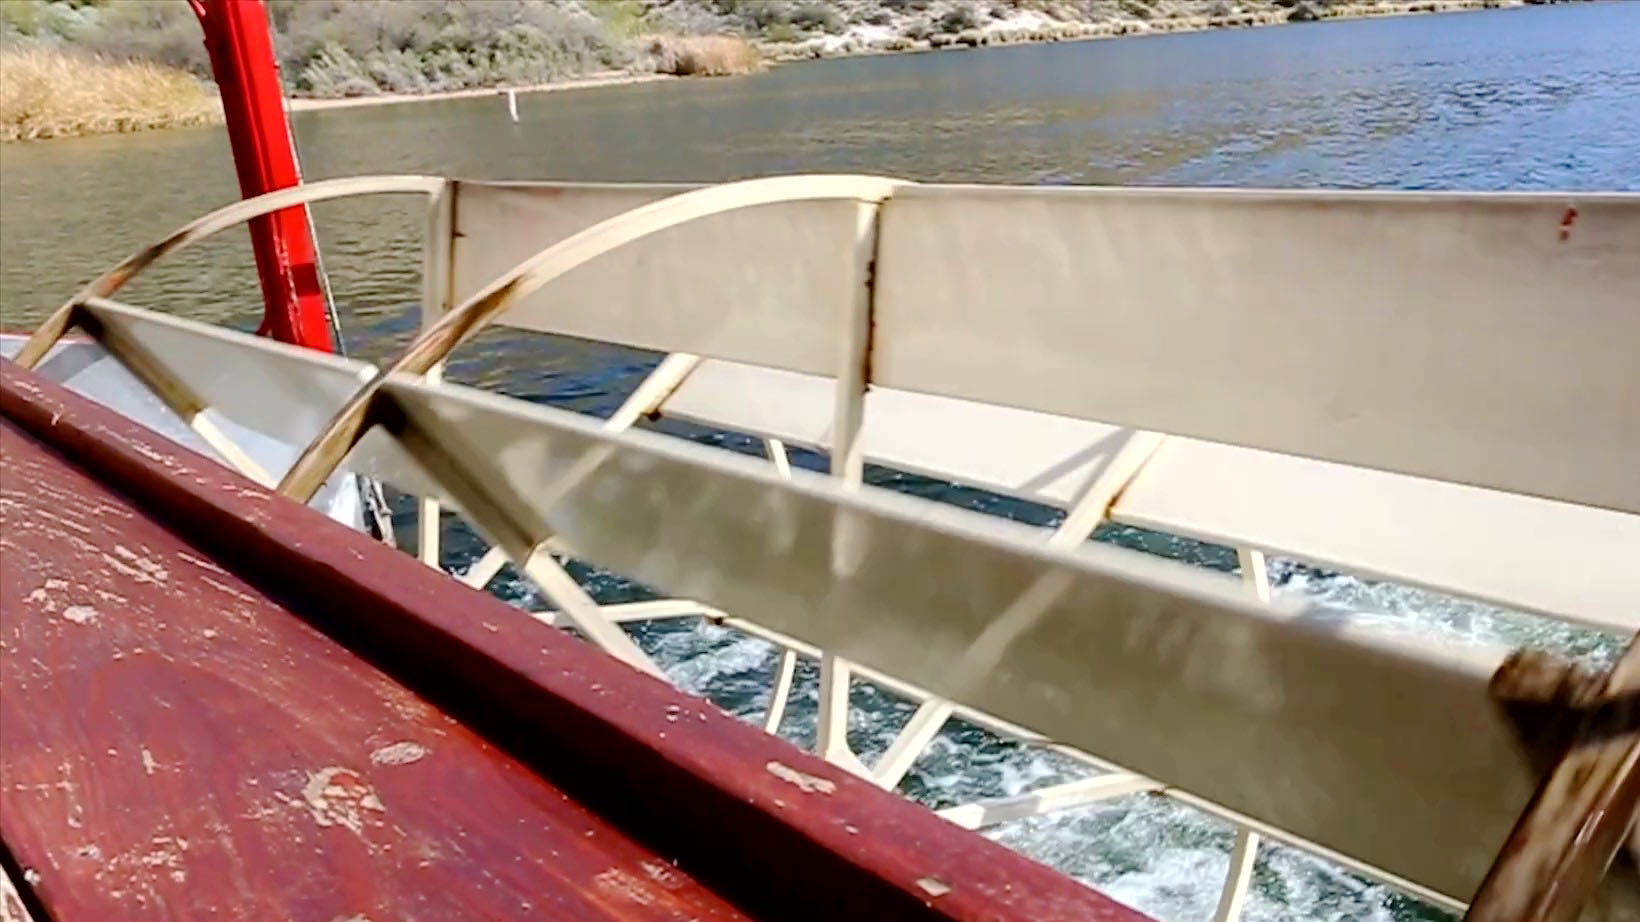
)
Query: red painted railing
[{"x": 241, "y": 49}]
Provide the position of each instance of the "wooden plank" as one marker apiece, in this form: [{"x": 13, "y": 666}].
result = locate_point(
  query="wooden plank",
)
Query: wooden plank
[
  {"x": 176, "y": 745},
  {"x": 1485, "y": 339},
  {"x": 766, "y": 281},
  {"x": 777, "y": 832},
  {"x": 1035, "y": 456},
  {"x": 1558, "y": 559},
  {"x": 1532, "y": 554},
  {"x": 282, "y": 391},
  {"x": 1278, "y": 711},
  {"x": 85, "y": 367},
  {"x": 274, "y": 390},
  {"x": 498, "y": 225},
  {"x": 1069, "y": 301}
]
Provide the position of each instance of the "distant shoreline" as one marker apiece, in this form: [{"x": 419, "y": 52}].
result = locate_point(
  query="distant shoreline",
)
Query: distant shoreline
[
  {"x": 816, "y": 49},
  {"x": 1027, "y": 28},
  {"x": 585, "y": 82}
]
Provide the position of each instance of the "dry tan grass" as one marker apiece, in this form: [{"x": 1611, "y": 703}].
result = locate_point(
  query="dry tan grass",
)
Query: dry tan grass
[
  {"x": 47, "y": 93},
  {"x": 704, "y": 55}
]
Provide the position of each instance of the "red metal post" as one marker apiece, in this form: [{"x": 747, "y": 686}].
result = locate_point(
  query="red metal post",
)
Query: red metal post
[{"x": 241, "y": 49}]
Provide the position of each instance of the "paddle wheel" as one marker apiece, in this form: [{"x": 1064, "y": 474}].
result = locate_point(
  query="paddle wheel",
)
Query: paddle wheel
[{"x": 217, "y": 702}]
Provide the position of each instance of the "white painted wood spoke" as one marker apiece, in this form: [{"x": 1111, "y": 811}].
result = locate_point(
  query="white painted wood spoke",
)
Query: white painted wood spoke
[
  {"x": 914, "y": 737},
  {"x": 1254, "y": 574},
  {"x": 986, "y": 813},
  {"x": 1243, "y": 856},
  {"x": 481, "y": 571},
  {"x": 782, "y": 692},
  {"x": 578, "y": 608}
]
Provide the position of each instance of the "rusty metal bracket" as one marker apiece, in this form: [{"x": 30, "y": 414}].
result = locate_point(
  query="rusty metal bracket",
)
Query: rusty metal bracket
[{"x": 1583, "y": 729}]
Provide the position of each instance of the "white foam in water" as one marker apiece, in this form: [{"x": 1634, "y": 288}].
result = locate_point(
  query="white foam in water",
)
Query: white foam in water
[
  {"x": 1170, "y": 861},
  {"x": 1444, "y": 618},
  {"x": 704, "y": 657},
  {"x": 1154, "y": 854}
]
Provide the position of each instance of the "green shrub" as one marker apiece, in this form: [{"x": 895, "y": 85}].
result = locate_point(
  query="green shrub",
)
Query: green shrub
[
  {"x": 623, "y": 17},
  {"x": 355, "y": 47},
  {"x": 162, "y": 31},
  {"x": 767, "y": 14},
  {"x": 958, "y": 18},
  {"x": 19, "y": 18},
  {"x": 818, "y": 16},
  {"x": 333, "y": 72}
]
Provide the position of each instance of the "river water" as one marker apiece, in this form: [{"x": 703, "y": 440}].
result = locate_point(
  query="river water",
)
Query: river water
[{"x": 1537, "y": 98}]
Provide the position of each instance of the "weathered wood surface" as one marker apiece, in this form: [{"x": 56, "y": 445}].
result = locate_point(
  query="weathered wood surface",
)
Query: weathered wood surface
[
  {"x": 381, "y": 742},
  {"x": 175, "y": 745},
  {"x": 1587, "y": 727}
]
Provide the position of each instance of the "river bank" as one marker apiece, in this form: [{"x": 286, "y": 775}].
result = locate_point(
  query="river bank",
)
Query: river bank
[
  {"x": 1024, "y": 27},
  {"x": 590, "y": 81},
  {"x": 45, "y": 94},
  {"x": 62, "y": 93},
  {"x": 966, "y": 26}
]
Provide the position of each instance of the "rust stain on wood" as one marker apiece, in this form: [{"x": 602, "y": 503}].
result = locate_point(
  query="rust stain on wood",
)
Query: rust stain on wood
[
  {"x": 1582, "y": 729},
  {"x": 1566, "y": 221}
]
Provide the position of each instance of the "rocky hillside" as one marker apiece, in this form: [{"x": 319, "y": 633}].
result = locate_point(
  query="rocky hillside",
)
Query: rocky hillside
[
  {"x": 332, "y": 48},
  {"x": 821, "y": 28}
]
